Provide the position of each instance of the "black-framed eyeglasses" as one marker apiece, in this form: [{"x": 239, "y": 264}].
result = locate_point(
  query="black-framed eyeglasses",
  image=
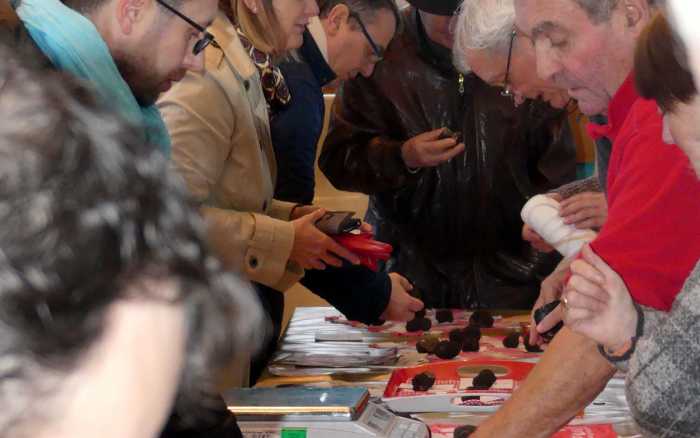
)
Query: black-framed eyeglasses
[
  {"x": 506, "y": 85},
  {"x": 375, "y": 48},
  {"x": 201, "y": 43}
]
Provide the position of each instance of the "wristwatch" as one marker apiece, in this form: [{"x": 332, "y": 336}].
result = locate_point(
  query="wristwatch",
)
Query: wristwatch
[{"x": 627, "y": 349}]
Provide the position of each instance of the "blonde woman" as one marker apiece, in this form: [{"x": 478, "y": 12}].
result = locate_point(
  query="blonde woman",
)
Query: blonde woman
[{"x": 219, "y": 125}]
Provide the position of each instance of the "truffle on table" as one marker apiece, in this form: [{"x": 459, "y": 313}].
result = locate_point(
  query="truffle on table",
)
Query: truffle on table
[
  {"x": 471, "y": 331},
  {"x": 484, "y": 380},
  {"x": 481, "y": 318},
  {"x": 512, "y": 340},
  {"x": 447, "y": 349},
  {"x": 457, "y": 335},
  {"x": 444, "y": 315},
  {"x": 427, "y": 344},
  {"x": 470, "y": 345},
  {"x": 418, "y": 324},
  {"x": 464, "y": 431},
  {"x": 423, "y": 381},
  {"x": 420, "y": 314}
]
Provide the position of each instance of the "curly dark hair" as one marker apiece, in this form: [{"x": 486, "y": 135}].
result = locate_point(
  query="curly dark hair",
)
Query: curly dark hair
[{"x": 88, "y": 212}]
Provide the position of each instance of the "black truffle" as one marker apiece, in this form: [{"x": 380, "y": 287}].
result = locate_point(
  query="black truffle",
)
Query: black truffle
[
  {"x": 427, "y": 344},
  {"x": 481, "y": 318},
  {"x": 529, "y": 347},
  {"x": 447, "y": 349},
  {"x": 423, "y": 381},
  {"x": 464, "y": 431},
  {"x": 444, "y": 315},
  {"x": 448, "y": 133},
  {"x": 420, "y": 314},
  {"x": 541, "y": 313},
  {"x": 417, "y": 324},
  {"x": 472, "y": 332},
  {"x": 470, "y": 344},
  {"x": 512, "y": 340},
  {"x": 457, "y": 335},
  {"x": 484, "y": 380}
]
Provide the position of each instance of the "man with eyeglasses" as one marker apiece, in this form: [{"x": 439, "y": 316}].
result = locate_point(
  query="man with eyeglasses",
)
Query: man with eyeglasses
[
  {"x": 348, "y": 38},
  {"x": 449, "y": 203},
  {"x": 341, "y": 43},
  {"x": 130, "y": 50}
]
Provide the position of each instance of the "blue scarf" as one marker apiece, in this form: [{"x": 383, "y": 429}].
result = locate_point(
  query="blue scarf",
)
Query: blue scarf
[{"x": 73, "y": 44}]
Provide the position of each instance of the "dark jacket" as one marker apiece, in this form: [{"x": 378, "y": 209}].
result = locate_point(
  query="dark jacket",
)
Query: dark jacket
[
  {"x": 357, "y": 292},
  {"x": 456, "y": 228},
  {"x": 296, "y": 129},
  {"x": 212, "y": 421}
]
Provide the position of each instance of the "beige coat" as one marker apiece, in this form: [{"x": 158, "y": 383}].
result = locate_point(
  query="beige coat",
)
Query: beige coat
[{"x": 221, "y": 145}]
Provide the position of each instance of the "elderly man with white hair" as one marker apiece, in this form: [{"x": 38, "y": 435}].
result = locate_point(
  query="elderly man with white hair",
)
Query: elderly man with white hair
[
  {"x": 452, "y": 214},
  {"x": 488, "y": 45}
]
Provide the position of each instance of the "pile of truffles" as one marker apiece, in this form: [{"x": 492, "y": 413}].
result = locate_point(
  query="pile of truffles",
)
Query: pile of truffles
[
  {"x": 421, "y": 323},
  {"x": 461, "y": 339}
]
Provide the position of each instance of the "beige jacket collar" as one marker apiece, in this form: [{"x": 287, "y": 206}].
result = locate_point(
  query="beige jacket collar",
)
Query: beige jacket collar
[{"x": 231, "y": 48}]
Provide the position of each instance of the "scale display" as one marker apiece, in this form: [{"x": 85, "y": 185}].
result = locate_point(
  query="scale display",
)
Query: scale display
[
  {"x": 376, "y": 421},
  {"x": 317, "y": 413}
]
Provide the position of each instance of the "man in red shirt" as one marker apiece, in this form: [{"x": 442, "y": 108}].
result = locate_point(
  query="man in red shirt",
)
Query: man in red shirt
[{"x": 650, "y": 238}]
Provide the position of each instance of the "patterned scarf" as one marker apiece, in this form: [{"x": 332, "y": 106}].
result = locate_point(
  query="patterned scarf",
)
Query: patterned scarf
[{"x": 273, "y": 84}]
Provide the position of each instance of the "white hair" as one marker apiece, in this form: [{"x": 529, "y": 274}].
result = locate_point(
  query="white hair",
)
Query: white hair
[{"x": 482, "y": 25}]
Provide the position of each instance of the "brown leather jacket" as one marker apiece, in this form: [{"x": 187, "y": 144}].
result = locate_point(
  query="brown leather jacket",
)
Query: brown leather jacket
[{"x": 456, "y": 227}]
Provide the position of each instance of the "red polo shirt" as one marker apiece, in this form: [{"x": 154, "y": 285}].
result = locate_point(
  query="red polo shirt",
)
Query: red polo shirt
[{"x": 652, "y": 234}]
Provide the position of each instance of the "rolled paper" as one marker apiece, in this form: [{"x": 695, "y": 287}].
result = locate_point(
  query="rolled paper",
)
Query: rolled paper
[{"x": 541, "y": 213}]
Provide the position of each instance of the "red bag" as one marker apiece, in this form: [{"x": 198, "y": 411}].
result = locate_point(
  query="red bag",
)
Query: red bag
[{"x": 363, "y": 245}]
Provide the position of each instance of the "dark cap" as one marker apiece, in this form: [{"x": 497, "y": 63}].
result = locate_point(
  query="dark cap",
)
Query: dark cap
[{"x": 436, "y": 7}]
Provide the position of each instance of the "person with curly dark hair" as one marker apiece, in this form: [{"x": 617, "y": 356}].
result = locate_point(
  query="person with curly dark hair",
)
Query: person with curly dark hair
[{"x": 110, "y": 302}]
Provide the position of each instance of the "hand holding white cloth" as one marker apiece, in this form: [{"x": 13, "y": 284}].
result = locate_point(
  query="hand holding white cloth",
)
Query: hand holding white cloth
[{"x": 541, "y": 213}]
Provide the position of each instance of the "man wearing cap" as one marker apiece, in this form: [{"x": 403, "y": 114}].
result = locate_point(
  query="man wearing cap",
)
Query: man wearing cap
[{"x": 449, "y": 206}]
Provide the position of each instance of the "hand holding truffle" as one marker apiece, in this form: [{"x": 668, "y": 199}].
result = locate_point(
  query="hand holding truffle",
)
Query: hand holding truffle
[
  {"x": 401, "y": 306},
  {"x": 550, "y": 291},
  {"x": 599, "y": 305},
  {"x": 430, "y": 149}
]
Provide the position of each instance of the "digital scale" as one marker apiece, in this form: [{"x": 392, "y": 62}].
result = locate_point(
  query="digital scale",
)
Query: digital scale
[{"x": 301, "y": 412}]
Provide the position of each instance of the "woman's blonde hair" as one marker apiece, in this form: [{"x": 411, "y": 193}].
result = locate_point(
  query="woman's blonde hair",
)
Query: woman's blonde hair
[{"x": 262, "y": 29}]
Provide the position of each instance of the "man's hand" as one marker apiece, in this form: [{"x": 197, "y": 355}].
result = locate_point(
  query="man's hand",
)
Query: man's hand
[
  {"x": 313, "y": 249},
  {"x": 536, "y": 240},
  {"x": 598, "y": 303},
  {"x": 428, "y": 150},
  {"x": 585, "y": 210},
  {"x": 551, "y": 289},
  {"x": 301, "y": 210},
  {"x": 402, "y": 306}
]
